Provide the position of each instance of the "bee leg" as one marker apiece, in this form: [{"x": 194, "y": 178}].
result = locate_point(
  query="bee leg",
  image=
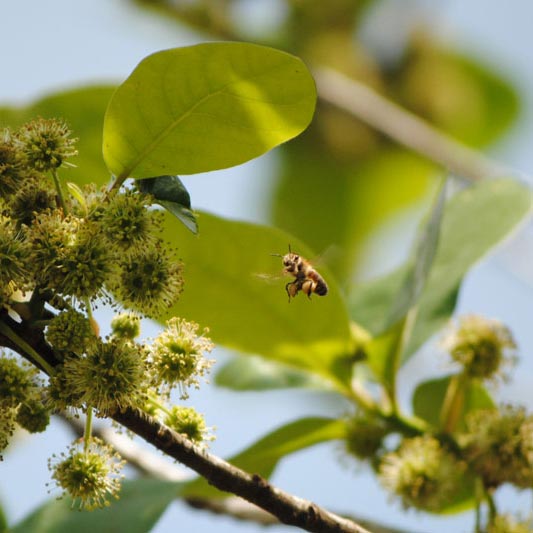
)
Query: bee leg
[
  {"x": 308, "y": 287},
  {"x": 292, "y": 289},
  {"x": 288, "y": 291}
]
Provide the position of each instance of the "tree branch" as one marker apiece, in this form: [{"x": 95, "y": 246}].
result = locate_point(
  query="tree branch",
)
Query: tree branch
[
  {"x": 150, "y": 464},
  {"x": 404, "y": 127},
  {"x": 253, "y": 488}
]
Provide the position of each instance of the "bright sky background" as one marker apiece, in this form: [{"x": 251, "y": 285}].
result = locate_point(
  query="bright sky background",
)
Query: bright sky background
[{"x": 55, "y": 44}]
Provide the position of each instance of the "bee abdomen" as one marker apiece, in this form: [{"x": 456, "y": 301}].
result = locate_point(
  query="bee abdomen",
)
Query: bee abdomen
[{"x": 321, "y": 287}]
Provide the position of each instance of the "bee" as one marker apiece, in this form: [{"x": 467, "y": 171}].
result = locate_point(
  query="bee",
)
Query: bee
[{"x": 307, "y": 279}]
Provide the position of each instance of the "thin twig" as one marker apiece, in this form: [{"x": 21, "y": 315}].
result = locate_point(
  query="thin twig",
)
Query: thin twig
[{"x": 404, "y": 127}]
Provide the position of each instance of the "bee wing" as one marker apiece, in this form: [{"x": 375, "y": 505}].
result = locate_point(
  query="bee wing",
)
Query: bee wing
[{"x": 267, "y": 278}]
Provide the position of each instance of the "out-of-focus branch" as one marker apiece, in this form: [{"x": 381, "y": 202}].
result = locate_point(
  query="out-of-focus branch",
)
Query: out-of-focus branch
[
  {"x": 150, "y": 464},
  {"x": 404, "y": 127}
]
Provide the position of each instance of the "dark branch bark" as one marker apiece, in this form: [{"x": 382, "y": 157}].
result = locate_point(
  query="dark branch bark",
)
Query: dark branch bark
[{"x": 226, "y": 477}]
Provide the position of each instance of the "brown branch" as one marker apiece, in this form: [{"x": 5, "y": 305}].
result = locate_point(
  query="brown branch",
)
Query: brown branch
[
  {"x": 253, "y": 488},
  {"x": 404, "y": 127},
  {"x": 150, "y": 464}
]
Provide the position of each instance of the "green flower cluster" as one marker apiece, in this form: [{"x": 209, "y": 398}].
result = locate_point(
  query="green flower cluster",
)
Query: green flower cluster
[
  {"x": 21, "y": 399},
  {"x": 59, "y": 255},
  {"x": 84, "y": 246}
]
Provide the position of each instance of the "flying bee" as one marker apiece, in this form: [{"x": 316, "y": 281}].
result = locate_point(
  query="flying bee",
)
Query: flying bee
[{"x": 307, "y": 279}]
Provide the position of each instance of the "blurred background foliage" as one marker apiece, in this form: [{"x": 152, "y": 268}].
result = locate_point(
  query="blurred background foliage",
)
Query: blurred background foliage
[{"x": 341, "y": 180}]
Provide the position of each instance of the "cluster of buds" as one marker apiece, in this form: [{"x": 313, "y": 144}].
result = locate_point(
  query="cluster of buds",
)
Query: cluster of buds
[{"x": 62, "y": 249}]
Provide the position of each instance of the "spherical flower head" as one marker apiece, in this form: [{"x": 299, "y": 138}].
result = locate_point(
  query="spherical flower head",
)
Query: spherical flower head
[
  {"x": 364, "y": 436},
  {"x": 33, "y": 416},
  {"x": 14, "y": 256},
  {"x": 481, "y": 346},
  {"x": 499, "y": 446},
  {"x": 509, "y": 524},
  {"x": 8, "y": 414},
  {"x": 150, "y": 281},
  {"x": 422, "y": 473},
  {"x": 188, "y": 422},
  {"x": 128, "y": 223},
  {"x": 45, "y": 143},
  {"x": 16, "y": 381},
  {"x": 35, "y": 195},
  {"x": 70, "y": 257},
  {"x": 110, "y": 377},
  {"x": 70, "y": 332},
  {"x": 87, "y": 264},
  {"x": 126, "y": 326},
  {"x": 11, "y": 169},
  {"x": 89, "y": 475},
  {"x": 178, "y": 355}
]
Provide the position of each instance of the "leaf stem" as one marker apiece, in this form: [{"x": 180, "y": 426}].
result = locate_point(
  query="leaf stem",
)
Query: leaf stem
[
  {"x": 453, "y": 403},
  {"x": 59, "y": 191},
  {"x": 25, "y": 347},
  {"x": 405, "y": 335},
  {"x": 88, "y": 429}
]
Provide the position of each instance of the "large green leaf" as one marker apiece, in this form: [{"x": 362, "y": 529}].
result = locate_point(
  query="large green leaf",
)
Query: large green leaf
[
  {"x": 141, "y": 504},
  {"x": 384, "y": 352},
  {"x": 263, "y": 456},
  {"x": 205, "y": 107},
  {"x": 429, "y": 397},
  {"x": 83, "y": 109},
  {"x": 421, "y": 262},
  {"x": 256, "y": 373},
  {"x": 233, "y": 286},
  {"x": 474, "y": 221}
]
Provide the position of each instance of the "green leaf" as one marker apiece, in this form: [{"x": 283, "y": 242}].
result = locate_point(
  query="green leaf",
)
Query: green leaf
[
  {"x": 3, "y": 520},
  {"x": 263, "y": 456},
  {"x": 205, "y": 107},
  {"x": 479, "y": 105},
  {"x": 171, "y": 194},
  {"x": 233, "y": 285},
  {"x": 83, "y": 109},
  {"x": 256, "y": 373},
  {"x": 500, "y": 205},
  {"x": 384, "y": 352},
  {"x": 141, "y": 504},
  {"x": 421, "y": 262},
  {"x": 429, "y": 397}
]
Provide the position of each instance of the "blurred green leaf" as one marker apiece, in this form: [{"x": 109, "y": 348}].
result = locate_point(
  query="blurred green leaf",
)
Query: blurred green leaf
[
  {"x": 233, "y": 286},
  {"x": 171, "y": 194},
  {"x": 382, "y": 352},
  {"x": 500, "y": 205},
  {"x": 385, "y": 351},
  {"x": 263, "y": 456},
  {"x": 3, "y": 520},
  {"x": 429, "y": 397},
  {"x": 205, "y": 107},
  {"x": 421, "y": 261},
  {"x": 325, "y": 201},
  {"x": 83, "y": 109},
  {"x": 256, "y": 373},
  {"x": 141, "y": 504},
  {"x": 465, "y": 98},
  {"x": 464, "y": 499}
]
